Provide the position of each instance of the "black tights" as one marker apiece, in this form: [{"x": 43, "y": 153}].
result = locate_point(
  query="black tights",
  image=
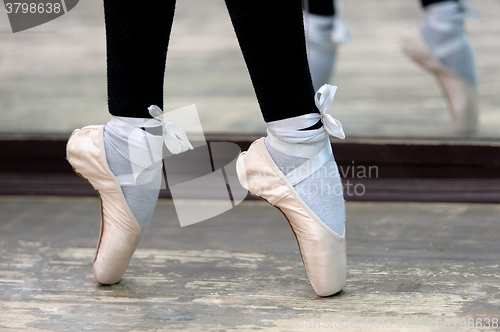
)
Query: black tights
[
  {"x": 273, "y": 47},
  {"x": 327, "y": 7}
]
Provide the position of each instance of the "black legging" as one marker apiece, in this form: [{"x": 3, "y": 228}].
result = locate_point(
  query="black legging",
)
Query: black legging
[
  {"x": 271, "y": 38},
  {"x": 327, "y": 7}
]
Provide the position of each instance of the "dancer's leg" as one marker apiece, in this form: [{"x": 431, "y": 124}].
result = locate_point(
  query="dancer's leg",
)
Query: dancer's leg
[
  {"x": 137, "y": 40},
  {"x": 426, "y": 3},
  {"x": 274, "y": 50},
  {"x": 444, "y": 25},
  {"x": 440, "y": 44},
  {"x": 137, "y": 37},
  {"x": 320, "y": 7},
  {"x": 324, "y": 32}
]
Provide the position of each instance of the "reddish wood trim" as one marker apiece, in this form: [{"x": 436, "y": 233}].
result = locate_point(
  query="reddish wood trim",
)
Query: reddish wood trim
[
  {"x": 418, "y": 190},
  {"x": 420, "y": 170}
]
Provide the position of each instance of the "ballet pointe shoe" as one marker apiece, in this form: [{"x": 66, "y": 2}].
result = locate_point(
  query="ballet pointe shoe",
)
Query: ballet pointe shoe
[
  {"x": 461, "y": 96},
  {"x": 120, "y": 232},
  {"x": 323, "y": 251}
]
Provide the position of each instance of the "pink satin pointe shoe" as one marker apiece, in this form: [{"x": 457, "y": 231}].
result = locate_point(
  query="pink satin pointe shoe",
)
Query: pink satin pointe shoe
[
  {"x": 120, "y": 232},
  {"x": 323, "y": 251},
  {"x": 461, "y": 96}
]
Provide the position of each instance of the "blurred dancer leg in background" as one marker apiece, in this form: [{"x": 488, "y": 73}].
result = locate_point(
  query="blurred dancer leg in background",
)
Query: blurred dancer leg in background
[
  {"x": 439, "y": 44},
  {"x": 325, "y": 31}
]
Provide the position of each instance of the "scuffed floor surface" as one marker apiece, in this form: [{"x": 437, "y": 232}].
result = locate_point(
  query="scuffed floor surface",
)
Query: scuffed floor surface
[{"x": 410, "y": 265}]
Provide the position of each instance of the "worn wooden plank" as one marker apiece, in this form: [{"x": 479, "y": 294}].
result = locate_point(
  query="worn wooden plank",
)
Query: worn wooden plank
[{"x": 407, "y": 262}]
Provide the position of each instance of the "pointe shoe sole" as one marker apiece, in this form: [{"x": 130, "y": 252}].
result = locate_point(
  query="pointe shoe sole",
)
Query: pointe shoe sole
[
  {"x": 323, "y": 251},
  {"x": 461, "y": 96},
  {"x": 120, "y": 232}
]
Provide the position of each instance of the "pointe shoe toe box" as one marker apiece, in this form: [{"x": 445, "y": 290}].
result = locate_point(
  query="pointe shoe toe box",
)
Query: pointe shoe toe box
[
  {"x": 461, "y": 96},
  {"x": 120, "y": 232}
]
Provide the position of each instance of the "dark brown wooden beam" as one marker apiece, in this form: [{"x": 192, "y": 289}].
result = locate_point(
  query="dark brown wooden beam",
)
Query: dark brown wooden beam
[{"x": 389, "y": 169}]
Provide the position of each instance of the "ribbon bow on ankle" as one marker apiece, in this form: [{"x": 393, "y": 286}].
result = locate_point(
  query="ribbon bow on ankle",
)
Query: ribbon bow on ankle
[
  {"x": 174, "y": 136},
  {"x": 145, "y": 150},
  {"x": 324, "y": 99},
  {"x": 288, "y": 137}
]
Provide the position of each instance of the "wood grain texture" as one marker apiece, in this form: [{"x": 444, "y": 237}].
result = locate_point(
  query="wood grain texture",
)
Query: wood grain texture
[{"x": 408, "y": 262}]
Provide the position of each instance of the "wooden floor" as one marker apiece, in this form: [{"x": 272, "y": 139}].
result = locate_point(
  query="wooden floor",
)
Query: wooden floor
[
  {"x": 53, "y": 77},
  {"x": 418, "y": 264}
]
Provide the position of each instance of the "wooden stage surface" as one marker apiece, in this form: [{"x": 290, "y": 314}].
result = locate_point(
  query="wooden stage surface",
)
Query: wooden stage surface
[{"x": 408, "y": 263}]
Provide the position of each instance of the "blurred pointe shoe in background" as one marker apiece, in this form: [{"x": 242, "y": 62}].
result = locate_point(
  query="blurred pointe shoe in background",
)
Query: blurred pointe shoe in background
[{"x": 441, "y": 46}]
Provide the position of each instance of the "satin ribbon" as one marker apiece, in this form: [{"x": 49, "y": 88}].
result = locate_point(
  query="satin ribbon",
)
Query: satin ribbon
[
  {"x": 174, "y": 136},
  {"x": 324, "y": 99},
  {"x": 286, "y": 136},
  {"x": 145, "y": 149}
]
